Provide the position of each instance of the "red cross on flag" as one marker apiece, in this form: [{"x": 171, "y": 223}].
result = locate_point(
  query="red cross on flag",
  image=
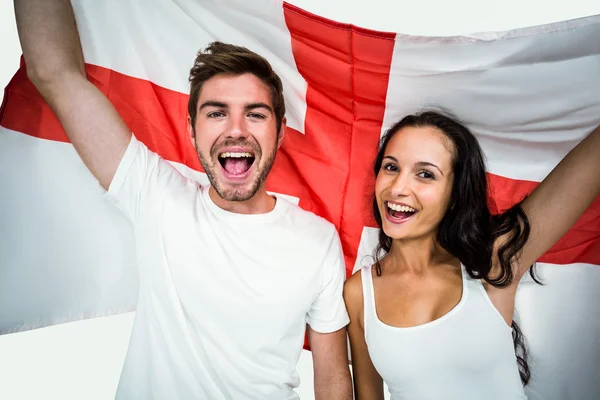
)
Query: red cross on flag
[{"x": 529, "y": 95}]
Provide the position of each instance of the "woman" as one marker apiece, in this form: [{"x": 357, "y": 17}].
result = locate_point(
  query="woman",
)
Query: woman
[{"x": 433, "y": 317}]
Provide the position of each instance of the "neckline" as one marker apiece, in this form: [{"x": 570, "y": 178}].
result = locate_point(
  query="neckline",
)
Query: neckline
[
  {"x": 453, "y": 310},
  {"x": 222, "y": 214}
]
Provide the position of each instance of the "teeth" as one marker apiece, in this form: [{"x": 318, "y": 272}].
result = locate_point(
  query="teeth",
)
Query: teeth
[
  {"x": 398, "y": 207},
  {"x": 234, "y": 155}
]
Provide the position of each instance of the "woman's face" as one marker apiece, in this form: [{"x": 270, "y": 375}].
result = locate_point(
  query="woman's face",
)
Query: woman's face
[{"x": 414, "y": 185}]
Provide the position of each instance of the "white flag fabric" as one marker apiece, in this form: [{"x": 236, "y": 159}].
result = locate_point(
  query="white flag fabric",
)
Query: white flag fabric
[{"x": 529, "y": 95}]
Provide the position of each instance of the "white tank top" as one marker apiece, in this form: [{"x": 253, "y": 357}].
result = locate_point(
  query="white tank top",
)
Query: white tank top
[{"x": 466, "y": 354}]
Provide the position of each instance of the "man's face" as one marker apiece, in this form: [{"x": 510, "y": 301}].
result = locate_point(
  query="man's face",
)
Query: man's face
[{"x": 235, "y": 134}]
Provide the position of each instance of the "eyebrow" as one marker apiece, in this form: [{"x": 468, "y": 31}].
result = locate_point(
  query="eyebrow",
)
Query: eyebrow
[
  {"x": 253, "y": 106},
  {"x": 247, "y": 107},
  {"x": 212, "y": 103},
  {"x": 418, "y": 163}
]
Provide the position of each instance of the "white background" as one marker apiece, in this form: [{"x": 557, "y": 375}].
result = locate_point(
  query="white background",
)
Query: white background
[{"x": 82, "y": 360}]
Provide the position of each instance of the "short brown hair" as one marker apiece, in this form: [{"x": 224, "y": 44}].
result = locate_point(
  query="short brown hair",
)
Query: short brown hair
[{"x": 223, "y": 58}]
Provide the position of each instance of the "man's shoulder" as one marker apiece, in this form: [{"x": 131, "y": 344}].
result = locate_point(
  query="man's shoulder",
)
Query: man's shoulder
[{"x": 305, "y": 221}]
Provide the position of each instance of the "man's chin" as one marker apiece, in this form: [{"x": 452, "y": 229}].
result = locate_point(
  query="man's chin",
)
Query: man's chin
[{"x": 236, "y": 192}]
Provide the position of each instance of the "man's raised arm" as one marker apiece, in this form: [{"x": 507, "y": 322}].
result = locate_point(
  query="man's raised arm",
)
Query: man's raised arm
[{"x": 55, "y": 65}]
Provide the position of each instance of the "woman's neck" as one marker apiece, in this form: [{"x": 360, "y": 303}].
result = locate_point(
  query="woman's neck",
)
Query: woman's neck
[{"x": 417, "y": 255}]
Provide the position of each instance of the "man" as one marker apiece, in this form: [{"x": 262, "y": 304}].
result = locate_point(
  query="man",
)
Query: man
[{"x": 230, "y": 276}]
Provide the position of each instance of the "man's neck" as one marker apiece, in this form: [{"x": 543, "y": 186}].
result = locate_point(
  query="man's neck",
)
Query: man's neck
[{"x": 260, "y": 203}]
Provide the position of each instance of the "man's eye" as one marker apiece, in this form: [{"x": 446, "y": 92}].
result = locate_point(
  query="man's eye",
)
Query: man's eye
[
  {"x": 256, "y": 115},
  {"x": 215, "y": 114}
]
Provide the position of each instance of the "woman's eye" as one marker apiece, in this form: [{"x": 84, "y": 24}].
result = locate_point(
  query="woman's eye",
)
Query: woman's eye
[
  {"x": 425, "y": 174},
  {"x": 390, "y": 167}
]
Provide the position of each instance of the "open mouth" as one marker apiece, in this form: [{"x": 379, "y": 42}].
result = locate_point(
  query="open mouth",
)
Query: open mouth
[
  {"x": 399, "y": 212},
  {"x": 236, "y": 164}
]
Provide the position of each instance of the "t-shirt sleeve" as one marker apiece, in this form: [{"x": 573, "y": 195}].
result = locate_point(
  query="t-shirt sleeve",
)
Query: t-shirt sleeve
[
  {"x": 328, "y": 311},
  {"x": 142, "y": 179}
]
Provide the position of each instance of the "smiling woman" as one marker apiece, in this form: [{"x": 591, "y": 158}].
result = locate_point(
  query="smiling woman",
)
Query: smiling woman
[
  {"x": 76, "y": 273},
  {"x": 447, "y": 267}
]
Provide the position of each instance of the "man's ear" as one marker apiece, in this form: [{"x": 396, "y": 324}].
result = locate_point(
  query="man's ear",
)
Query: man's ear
[
  {"x": 190, "y": 130},
  {"x": 281, "y": 132}
]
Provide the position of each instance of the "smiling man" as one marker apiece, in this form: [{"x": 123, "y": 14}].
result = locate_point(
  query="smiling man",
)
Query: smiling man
[
  {"x": 236, "y": 122},
  {"x": 230, "y": 276}
]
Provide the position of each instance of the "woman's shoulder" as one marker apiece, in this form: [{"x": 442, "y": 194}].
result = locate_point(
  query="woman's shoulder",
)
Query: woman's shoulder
[{"x": 353, "y": 290}]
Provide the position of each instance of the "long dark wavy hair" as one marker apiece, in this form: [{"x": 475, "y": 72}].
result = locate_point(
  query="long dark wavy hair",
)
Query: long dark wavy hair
[{"x": 468, "y": 230}]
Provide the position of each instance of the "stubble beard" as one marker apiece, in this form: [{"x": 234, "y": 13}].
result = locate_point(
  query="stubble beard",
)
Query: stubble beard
[{"x": 234, "y": 193}]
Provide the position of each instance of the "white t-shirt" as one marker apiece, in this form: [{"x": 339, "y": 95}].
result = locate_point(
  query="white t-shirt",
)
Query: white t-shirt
[{"x": 224, "y": 298}]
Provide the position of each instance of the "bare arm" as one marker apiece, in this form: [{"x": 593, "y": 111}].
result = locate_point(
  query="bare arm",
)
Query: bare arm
[
  {"x": 330, "y": 359},
  {"x": 560, "y": 200},
  {"x": 55, "y": 65},
  {"x": 368, "y": 384},
  {"x": 552, "y": 209}
]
